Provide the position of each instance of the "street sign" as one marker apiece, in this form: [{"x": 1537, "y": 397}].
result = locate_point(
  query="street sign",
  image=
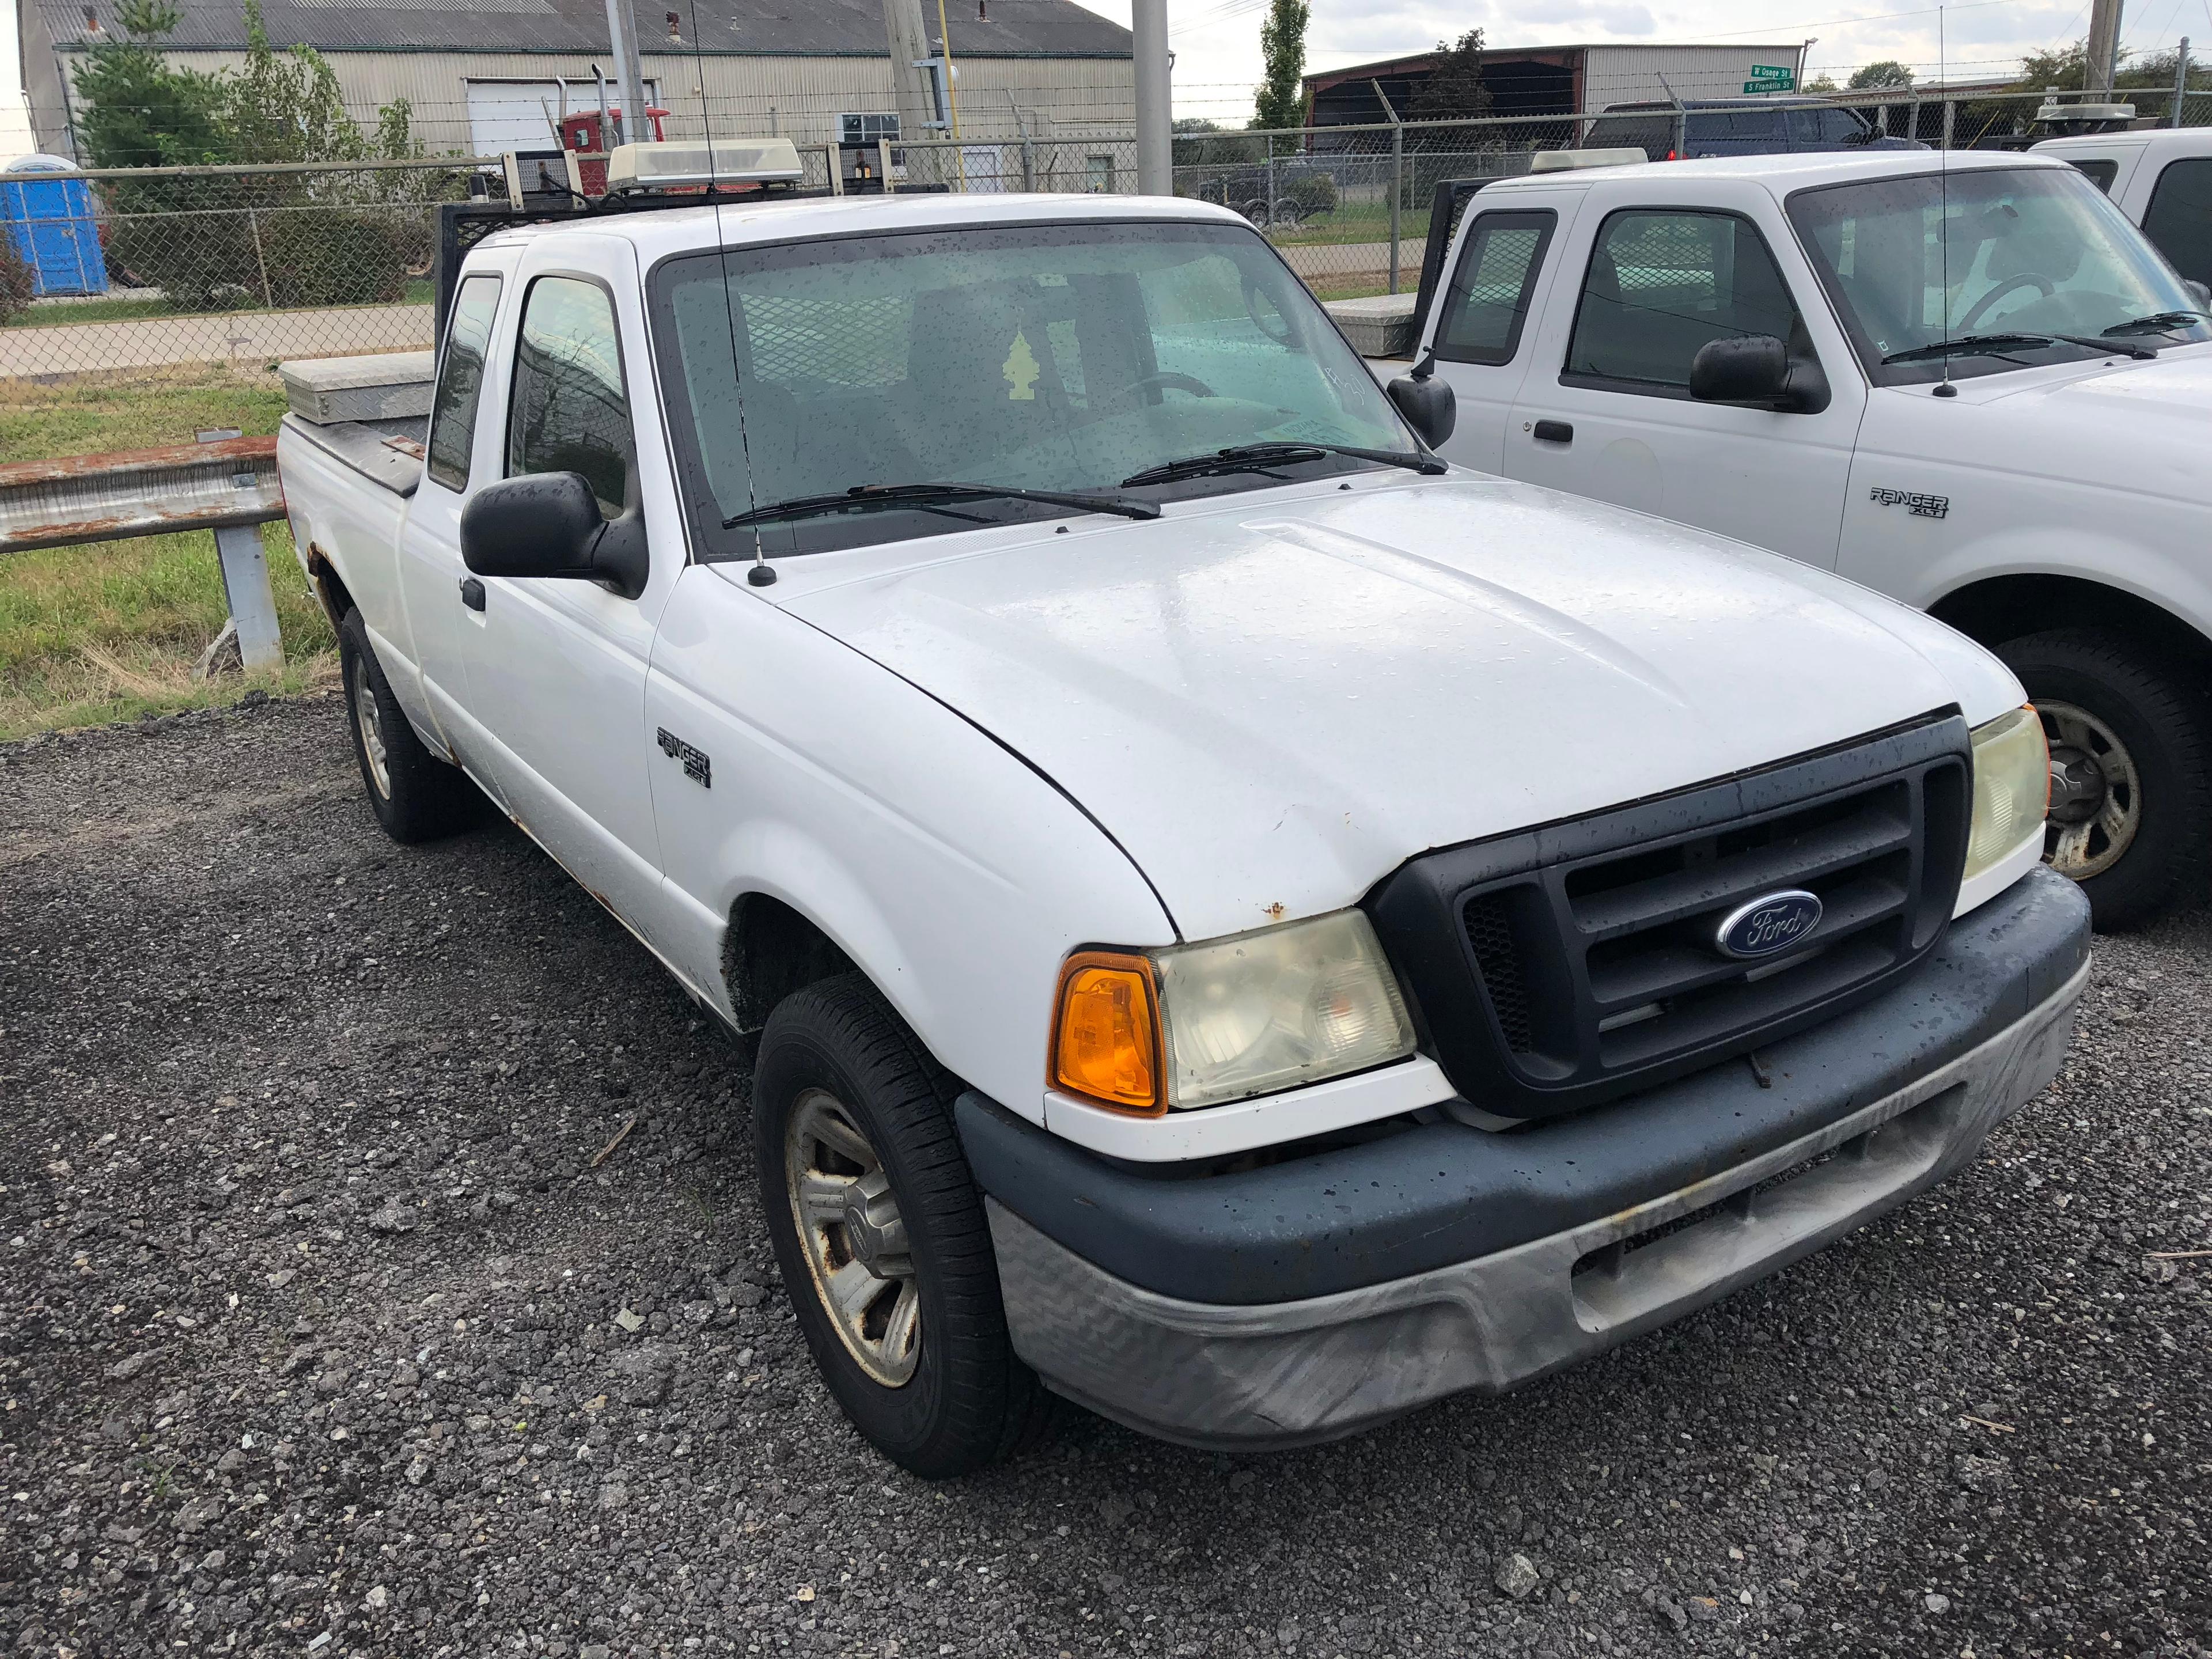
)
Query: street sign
[{"x": 1771, "y": 77}]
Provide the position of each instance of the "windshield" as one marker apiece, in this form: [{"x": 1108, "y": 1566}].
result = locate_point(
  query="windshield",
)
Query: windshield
[
  {"x": 1065, "y": 358},
  {"x": 1914, "y": 261}
]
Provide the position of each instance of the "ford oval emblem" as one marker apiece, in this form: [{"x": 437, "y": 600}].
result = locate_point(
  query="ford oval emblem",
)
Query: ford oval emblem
[{"x": 1772, "y": 922}]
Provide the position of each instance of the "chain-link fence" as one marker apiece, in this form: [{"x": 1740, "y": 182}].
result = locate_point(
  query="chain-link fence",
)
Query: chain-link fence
[{"x": 145, "y": 275}]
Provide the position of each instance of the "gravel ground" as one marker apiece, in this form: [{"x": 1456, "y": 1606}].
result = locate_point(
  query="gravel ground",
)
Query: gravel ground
[{"x": 328, "y": 1330}]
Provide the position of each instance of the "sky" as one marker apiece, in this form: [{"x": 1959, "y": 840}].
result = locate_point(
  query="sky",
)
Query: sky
[{"x": 1216, "y": 42}]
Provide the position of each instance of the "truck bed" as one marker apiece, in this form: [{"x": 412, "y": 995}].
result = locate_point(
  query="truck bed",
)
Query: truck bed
[{"x": 388, "y": 453}]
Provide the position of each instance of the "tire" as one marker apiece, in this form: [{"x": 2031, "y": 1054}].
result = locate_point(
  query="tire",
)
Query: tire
[
  {"x": 943, "y": 1395},
  {"x": 416, "y": 796},
  {"x": 2149, "y": 728}
]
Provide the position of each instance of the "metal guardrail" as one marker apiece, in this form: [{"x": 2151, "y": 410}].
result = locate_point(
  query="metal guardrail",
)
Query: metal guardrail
[{"x": 225, "y": 483}]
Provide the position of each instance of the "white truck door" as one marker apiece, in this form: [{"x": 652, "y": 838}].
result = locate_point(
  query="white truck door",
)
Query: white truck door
[
  {"x": 431, "y": 574},
  {"x": 1605, "y": 409},
  {"x": 557, "y": 670},
  {"x": 1479, "y": 323}
]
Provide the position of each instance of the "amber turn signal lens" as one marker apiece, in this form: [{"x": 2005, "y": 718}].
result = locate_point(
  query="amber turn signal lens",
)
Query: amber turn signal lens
[{"x": 1106, "y": 1033}]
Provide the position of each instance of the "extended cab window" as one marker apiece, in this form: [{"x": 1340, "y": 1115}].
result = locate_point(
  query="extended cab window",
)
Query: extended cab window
[
  {"x": 460, "y": 379},
  {"x": 1662, "y": 283},
  {"x": 568, "y": 413},
  {"x": 1488, "y": 301},
  {"x": 2099, "y": 173},
  {"x": 2179, "y": 220}
]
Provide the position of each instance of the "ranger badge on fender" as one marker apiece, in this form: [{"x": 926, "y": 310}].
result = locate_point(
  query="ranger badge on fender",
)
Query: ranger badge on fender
[{"x": 697, "y": 766}]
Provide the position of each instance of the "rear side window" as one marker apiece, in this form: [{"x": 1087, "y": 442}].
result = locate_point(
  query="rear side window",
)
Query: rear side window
[
  {"x": 1740, "y": 126},
  {"x": 1662, "y": 283},
  {"x": 1826, "y": 125},
  {"x": 460, "y": 380},
  {"x": 1488, "y": 300},
  {"x": 1652, "y": 133},
  {"x": 2099, "y": 173},
  {"x": 2179, "y": 220},
  {"x": 568, "y": 413}
]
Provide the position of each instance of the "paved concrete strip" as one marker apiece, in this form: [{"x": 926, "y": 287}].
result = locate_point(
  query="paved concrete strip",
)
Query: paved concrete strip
[{"x": 254, "y": 337}]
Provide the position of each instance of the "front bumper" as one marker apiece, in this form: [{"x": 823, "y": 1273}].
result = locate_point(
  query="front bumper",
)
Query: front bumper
[{"x": 1853, "y": 1118}]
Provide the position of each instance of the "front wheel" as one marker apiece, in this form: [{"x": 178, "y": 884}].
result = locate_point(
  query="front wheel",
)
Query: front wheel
[
  {"x": 880, "y": 1234},
  {"x": 2130, "y": 739}
]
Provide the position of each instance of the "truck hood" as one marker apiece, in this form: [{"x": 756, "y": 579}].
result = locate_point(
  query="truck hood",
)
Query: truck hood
[
  {"x": 1273, "y": 700},
  {"x": 2140, "y": 428}
]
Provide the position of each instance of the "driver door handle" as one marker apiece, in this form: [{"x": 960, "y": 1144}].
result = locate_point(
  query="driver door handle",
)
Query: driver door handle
[
  {"x": 472, "y": 593},
  {"x": 1555, "y": 432}
]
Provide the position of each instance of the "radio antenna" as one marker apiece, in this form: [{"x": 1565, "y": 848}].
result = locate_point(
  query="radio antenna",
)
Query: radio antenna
[
  {"x": 1944, "y": 388},
  {"x": 763, "y": 573}
]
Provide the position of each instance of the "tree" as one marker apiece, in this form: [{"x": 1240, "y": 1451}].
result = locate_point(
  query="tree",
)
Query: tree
[
  {"x": 1887, "y": 75},
  {"x": 1280, "y": 103},
  {"x": 1454, "y": 89},
  {"x": 249, "y": 239},
  {"x": 1822, "y": 83},
  {"x": 1198, "y": 142},
  {"x": 134, "y": 110}
]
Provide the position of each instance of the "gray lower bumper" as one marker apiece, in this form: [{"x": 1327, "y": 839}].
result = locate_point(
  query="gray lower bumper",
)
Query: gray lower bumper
[{"x": 1289, "y": 1373}]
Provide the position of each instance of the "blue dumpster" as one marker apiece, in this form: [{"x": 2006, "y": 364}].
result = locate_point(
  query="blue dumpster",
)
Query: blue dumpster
[{"x": 50, "y": 222}]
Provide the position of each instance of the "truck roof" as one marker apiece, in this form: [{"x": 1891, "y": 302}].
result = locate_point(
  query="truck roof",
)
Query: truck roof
[
  {"x": 737, "y": 224},
  {"x": 1798, "y": 170}
]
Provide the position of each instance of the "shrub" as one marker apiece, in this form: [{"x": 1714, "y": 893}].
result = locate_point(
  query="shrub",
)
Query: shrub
[
  {"x": 17, "y": 282},
  {"x": 1312, "y": 193}
]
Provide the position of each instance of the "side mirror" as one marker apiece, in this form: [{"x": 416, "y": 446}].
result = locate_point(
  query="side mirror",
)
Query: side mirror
[
  {"x": 1426, "y": 403},
  {"x": 1757, "y": 369},
  {"x": 548, "y": 524},
  {"x": 2199, "y": 292}
]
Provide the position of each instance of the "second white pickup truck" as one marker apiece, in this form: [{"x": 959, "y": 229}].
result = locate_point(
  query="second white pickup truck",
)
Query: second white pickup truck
[
  {"x": 1248, "y": 928},
  {"x": 1964, "y": 381}
]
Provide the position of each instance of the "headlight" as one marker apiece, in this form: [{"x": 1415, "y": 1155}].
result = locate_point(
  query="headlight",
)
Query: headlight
[
  {"x": 2012, "y": 787},
  {"x": 1200, "y": 1024}
]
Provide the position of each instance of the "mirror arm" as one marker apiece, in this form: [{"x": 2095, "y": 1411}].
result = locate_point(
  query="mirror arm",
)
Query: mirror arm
[{"x": 619, "y": 557}]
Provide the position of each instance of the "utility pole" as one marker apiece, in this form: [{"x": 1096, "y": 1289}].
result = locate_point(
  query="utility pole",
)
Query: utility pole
[
  {"x": 2180, "y": 83},
  {"x": 622, "y": 33},
  {"x": 1148, "y": 23},
  {"x": 2104, "y": 49},
  {"x": 918, "y": 114}
]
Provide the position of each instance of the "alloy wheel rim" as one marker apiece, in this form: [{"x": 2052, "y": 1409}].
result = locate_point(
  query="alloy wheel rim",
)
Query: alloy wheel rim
[
  {"x": 853, "y": 1237},
  {"x": 370, "y": 725},
  {"x": 2091, "y": 837}
]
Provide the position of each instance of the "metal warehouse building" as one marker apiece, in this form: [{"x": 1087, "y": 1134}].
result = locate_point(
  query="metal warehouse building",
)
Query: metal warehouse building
[
  {"x": 1576, "y": 80},
  {"x": 485, "y": 75}
]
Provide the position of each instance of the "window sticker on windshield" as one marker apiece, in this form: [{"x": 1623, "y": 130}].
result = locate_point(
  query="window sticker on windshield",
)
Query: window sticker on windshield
[
  {"x": 1021, "y": 371},
  {"x": 1921, "y": 507}
]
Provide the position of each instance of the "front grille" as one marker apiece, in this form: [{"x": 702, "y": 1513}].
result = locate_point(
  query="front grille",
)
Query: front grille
[
  {"x": 1498, "y": 959},
  {"x": 1582, "y": 961}
]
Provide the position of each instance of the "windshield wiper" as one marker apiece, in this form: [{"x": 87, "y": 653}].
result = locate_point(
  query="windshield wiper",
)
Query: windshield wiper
[
  {"x": 1258, "y": 458},
  {"x": 1998, "y": 344},
  {"x": 2159, "y": 322},
  {"x": 866, "y": 497}
]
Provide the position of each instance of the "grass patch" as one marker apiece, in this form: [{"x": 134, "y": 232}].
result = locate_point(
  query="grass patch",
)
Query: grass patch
[
  {"x": 60, "y": 313},
  {"x": 1364, "y": 224},
  {"x": 108, "y": 632}
]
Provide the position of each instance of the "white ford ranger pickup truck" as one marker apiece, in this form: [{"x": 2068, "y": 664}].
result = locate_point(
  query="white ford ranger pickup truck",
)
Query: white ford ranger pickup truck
[
  {"x": 1964, "y": 381},
  {"x": 1248, "y": 928}
]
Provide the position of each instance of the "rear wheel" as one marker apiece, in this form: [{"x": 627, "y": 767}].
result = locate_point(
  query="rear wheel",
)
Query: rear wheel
[
  {"x": 415, "y": 795},
  {"x": 2130, "y": 737},
  {"x": 880, "y": 1234}
]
